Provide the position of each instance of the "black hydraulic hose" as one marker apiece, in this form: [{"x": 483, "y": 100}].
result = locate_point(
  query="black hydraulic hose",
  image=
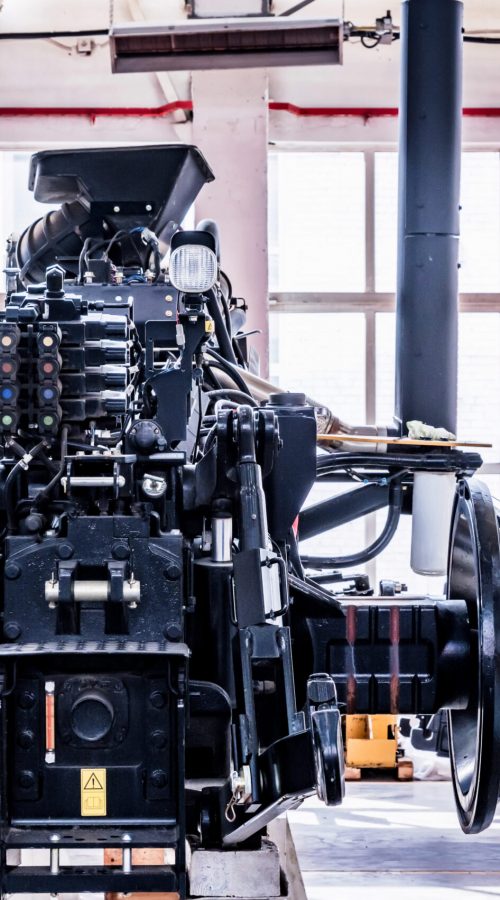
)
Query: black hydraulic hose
[
  {"x": 44, "y": 494},
  {"x": 48, "y": 463},
  {"x": 221, "y": 332},
  {"x": 10, "y": 481},
  {"x": 294, "y": 555},
  {"x": 240, "y": 359},
  {"x": 230, "y": 370},
  {"x": 364, "y": 556},
  {"x": 236, "y": 396},
  {"x": 312, "y": 591},
  {"x": 342, "y": 509},
  {"x": 209, "y": 378},
  {"x": 445, "y": 461},
  {"x": 18, "y": 450},
  {"x": 227, "y": 314}
]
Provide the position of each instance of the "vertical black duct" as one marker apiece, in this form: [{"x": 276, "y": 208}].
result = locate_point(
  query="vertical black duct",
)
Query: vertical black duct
[{"x": 429, "y": 184}]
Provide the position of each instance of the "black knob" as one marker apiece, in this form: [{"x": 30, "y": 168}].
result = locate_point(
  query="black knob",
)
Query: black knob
[{"x": 55, "y": 282}]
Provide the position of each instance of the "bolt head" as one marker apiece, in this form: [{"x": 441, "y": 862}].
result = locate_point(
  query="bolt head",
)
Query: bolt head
[
  {"x": 12, "y": 630},
  {"x": 157, "y": 699},
  {"x": 159, "y": 740},
  {"x": 12, "y": 571},
  {"x": 173, "y": 632},
  {"x": 65, "y": 550},
  {"x": 158, "y": 778},
  {"x": 25, "y": 739},
  {"x": 26, "y": 699},
  {"x": 120, "y": 550},
  {"x": 173, "y": 571},
  {"x": 26, "y": 779}
]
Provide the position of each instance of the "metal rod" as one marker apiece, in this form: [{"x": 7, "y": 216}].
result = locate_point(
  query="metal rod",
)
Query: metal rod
[
  {"x": 54, "y": 860},
  {"x": 127, "y": 860},
  {"x": 429, "y": 184},
  {"x": 222, "y": 538}
]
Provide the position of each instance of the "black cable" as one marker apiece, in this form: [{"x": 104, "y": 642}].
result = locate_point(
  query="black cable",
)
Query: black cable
[
  {"x": 49, "y": 35},
  {"x": 81, "y": 259},
  {"x": 448, "y": 461},
  {"x": 218, "y": 365},
  {"x": 376, "y": 41},
  {"x": 221, "y": 332},
  {"x": 44, "y": 494},
  {"x": 48, "y": 463},
  {"x": 227, "y": 314},
  {"x": 236, "y": 396},
  {"x": 230, "y": 370},
  {"x": 200, "y": 420},
  {"x": 209, "y": 377},
  {"x": 480, "y": 39},
  {"x": 238, "y": 351},
  {"x": 294, "y": 555},
  {"x": 11, "y": 479}
]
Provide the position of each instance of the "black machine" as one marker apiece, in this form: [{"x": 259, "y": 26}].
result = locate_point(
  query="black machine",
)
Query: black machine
[{"x": 171, "y": 666}]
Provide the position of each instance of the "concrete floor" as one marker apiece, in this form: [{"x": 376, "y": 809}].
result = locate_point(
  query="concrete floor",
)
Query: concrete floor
[{"x": 391, "y": 841}]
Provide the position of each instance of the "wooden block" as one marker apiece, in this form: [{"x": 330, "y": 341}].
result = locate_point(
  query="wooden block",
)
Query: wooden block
[
  {"x": 142, "y": 896},
  {"x": 141, "y": 856},
  {"x": 352, "y": 774},
  {"x": 405, "y": 769}
]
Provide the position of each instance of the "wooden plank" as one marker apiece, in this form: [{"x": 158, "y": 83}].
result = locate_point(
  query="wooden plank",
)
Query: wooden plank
[
  {"x": 401, "y": 442},
  {"x": 141, "y": 856},
  {"x": 142, "y": 896}
]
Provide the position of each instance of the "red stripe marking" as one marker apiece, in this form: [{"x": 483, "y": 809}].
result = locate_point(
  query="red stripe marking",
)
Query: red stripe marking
[{"x": 93, "y": 112}]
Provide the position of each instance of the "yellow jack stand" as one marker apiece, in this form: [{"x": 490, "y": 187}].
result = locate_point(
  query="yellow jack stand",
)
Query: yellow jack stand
[{"x": 371, "y": 742}]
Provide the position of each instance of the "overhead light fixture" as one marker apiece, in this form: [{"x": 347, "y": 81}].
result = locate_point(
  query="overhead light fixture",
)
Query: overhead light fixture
[
  {"x": 225, "y": 44},
  {"x": 215, "y": 9}
]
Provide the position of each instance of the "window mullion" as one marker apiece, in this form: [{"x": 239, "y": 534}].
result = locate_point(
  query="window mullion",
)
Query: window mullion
[{"x": 369, "y": 221}]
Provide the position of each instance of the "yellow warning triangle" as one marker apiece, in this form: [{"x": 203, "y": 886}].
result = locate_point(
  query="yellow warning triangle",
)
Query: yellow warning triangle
[{"x": 93, "y": 783}]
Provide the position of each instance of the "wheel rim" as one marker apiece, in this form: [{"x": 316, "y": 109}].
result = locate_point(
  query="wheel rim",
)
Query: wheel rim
[{"x": 474, "y": 733}]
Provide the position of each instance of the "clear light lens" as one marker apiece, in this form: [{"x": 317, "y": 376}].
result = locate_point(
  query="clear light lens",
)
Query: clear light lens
[{"x": 193, "y": 268}]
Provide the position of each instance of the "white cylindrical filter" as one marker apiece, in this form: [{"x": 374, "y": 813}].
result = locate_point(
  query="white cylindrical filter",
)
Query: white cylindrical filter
[{"x": 433, "y": 495}]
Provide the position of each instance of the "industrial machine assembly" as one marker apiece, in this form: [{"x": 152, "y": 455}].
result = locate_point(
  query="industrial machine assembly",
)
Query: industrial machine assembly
[{"x": 173, "y": 668}]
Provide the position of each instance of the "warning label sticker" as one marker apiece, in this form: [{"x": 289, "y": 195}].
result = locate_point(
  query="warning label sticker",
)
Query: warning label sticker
[{"x": 93, "y": 792}]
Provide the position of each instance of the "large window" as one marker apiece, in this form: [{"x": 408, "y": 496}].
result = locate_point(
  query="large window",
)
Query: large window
[
  {"x": 18, "y": 208},
  {"x": 333, "y": 233}
]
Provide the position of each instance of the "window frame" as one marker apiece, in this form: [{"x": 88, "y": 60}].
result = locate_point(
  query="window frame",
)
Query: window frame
[{"x": 370, "y": 302}]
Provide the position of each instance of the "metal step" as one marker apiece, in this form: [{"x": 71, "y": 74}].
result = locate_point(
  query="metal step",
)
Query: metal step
[{"x": 75, "y": 837}]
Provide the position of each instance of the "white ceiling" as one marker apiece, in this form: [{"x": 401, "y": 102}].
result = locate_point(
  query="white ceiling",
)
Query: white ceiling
[{"x": 44, "y": 73}]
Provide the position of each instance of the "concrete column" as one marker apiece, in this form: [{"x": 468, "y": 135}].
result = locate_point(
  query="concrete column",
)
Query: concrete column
[{"x": 230, "y": 127}]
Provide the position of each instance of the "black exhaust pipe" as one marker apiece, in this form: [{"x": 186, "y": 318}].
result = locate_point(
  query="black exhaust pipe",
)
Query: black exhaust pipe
[{"x": 428, "y": 229}]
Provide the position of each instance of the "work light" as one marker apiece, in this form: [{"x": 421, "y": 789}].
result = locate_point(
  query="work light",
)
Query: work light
[{"x": 193, "y": 262}]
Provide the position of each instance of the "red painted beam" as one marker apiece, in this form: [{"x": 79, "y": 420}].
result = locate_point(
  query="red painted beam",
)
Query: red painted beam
[
  {"x": 367, "y": 112},
  {"x": 94, "y": 112}
]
